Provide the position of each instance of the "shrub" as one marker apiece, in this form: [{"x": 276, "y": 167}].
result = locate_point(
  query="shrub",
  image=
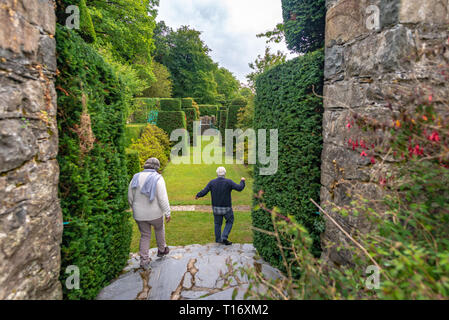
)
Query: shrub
[
  {"x": 222, "y": 123},
  {"x": 93, "y": 177},
  {"x": 239, "y": 101},
  {"x": 154, "y": 142},
  {"x": 133, "y": 132},
  {"x": 187, "y": 103},
  {"x": 132, "y": 163},
  {"x": 231, "y": 121},
  {"x": 170, "y": 104},
  {"x": 208, "y": 110},
  {"x": 191, "y": 117},
  {"x": 86, "y": 28},
  {"x": 304, "y": 22},
  {"x": 143, "y": 109},
  {"x": 289, "y": 105},
  {"x": 171, "y": 120}
]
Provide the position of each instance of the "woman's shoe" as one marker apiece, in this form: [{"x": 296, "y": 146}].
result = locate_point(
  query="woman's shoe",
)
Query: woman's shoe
[{"x": 161, "y": 254}]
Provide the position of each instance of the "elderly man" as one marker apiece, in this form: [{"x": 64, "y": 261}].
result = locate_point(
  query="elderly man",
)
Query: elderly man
[
  {"x": 147, "y": 196},
  {"x": 221, "y": 189}
]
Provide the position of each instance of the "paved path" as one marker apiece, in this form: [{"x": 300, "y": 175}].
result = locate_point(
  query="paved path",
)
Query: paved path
[
  {"x": 206, "y": 208},
  {"x": 191, "y": 272}
]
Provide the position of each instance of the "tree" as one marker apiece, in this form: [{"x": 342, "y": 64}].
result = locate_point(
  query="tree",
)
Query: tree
[
  {"x": 187, "y": 58},
  {"x": 163, "y": 86},
  {"x": 263, "y": 64},
  {"x": 227, "y": 84},
  {"x": 304, "y": 22},
  {"x": 124, "y": 28}
]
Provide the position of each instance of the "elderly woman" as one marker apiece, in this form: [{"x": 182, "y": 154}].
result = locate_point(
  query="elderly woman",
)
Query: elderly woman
[{"x": 147, "y": 196}]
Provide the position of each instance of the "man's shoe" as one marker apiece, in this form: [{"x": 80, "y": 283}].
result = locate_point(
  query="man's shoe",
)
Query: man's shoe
[
  {"x": 226, "y": 242},
  {"x": 161, "y": 254}
]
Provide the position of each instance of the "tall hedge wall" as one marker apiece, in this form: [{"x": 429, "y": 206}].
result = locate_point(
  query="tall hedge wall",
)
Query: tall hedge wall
[
  {"x": 171, "y": 120},
  {"x": 208, "y": 110},
  {"x": 93, "y": 175},
  {"x": 284, "y": 101},
  {"x": 191, "y": 116},
  {"x": 231, "y": 121},
  {"x": 222, "y": 123},
  {"x": 170, "y": 104},
  {"x": 187, "y": 103}
]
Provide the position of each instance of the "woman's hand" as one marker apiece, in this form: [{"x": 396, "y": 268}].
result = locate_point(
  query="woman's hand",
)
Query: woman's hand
[{"x": 167, "y": 219}]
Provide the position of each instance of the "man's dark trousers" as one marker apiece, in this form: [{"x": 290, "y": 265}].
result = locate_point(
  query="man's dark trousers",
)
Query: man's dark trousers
[{"x": 228, "y": 214}]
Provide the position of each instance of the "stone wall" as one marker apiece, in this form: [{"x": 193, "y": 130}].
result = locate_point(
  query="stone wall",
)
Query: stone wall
[
  {"x": 363, "y": 69},
  {"x": 30, "y": 215}
]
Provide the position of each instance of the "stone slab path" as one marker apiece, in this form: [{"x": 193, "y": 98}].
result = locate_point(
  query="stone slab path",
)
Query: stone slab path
[
  {"x": 206, "y": 208},
  {"x": 190, "y": 272}
]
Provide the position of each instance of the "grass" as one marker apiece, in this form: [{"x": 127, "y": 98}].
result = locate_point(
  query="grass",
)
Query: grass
[
  {"x": 184, "y": 181},
  {"x": 187, "y": 228}
]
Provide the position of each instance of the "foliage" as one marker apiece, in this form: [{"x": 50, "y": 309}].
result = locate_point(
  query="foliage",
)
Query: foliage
[
  {"x": 171, "y": 120},
  {"x": 93, "y": 177},
  {"x": 153, "y": 142},
  {"x": 304, "y": 22},
  {"x": 408, "y": 240},
  {"x": 125, "y": 29},
  {"x": 208, "y": 110},
  {"x": 187, "y": 103},
  {"x": 187, "y": 58},
  {"x": 222, "y": 122},
  {"x": 277, "y": 35},
  {"x": 191, "y": 116},
  {"x": 132, "y": 163},
  {"x": 262, "y": 64},
  {"x": 163, "y": 86},
  {"x": 289, "y": 105},
  {"x": 231, "y": 121},
  {"x": 170, "y": 104},
  {"x": 143, "y": 108},
  {"x": 245, "y": 118},
  {"x": 227, "y": 84},
  {"x": 239, "y": 101},
  {"x": 133, "y": 132}
]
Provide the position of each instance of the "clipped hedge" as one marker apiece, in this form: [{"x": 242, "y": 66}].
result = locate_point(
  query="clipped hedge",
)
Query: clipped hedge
[
  {"x": 191, "y": 116},
  {"x": 170, "y": 104},
  {"x": 208, "y": 110},
  {"x": 288, "y": 104},
  {"x": 222, "y": 123},
  {"x": 144, "y": 108},
  {"x": 187, "y": 103},
  {"x": 239, "y": 101},
  {"x": 133, "y": 132},
  {"x": 93, "y": 172},
  {"x": 171, "y": 120},
  {"x": 232, "y": 117},
  {"x": 153, "y": 142}
]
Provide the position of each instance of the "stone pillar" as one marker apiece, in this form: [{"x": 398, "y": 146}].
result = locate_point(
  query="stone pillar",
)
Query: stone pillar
[
  {"x": 364, "y": 68},
  {"x": 30, "y": 214}
]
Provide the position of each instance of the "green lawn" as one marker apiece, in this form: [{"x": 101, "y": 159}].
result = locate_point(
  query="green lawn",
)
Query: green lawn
[
  {"x": 184, "y": 181},
  {"x": 187, "y": 228}
]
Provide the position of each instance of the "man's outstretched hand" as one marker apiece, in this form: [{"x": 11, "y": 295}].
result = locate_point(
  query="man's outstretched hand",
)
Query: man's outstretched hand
[{"x": 196, "y": 198}]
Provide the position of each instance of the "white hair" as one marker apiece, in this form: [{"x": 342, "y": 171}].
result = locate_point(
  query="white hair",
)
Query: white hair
[{"x": 221, "y": 171}]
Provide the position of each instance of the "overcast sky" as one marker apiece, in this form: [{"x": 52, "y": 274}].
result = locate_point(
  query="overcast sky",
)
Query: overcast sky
[{"x": 228, "y": 27}]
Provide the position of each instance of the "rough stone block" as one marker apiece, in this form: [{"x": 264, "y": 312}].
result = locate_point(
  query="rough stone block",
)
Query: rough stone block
[{"x": 428, "y": 11}]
